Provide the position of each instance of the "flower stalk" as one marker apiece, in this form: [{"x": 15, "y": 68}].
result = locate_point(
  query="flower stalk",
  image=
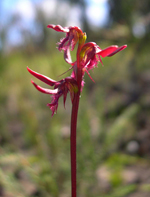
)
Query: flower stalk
[
  {"x": 74, "y": 115},
  {"x": 87, "y": 57}
]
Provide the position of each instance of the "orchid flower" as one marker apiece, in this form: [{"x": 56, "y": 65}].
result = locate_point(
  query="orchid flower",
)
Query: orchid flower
[
  {"x": 61, "y": 87},
  {"x": 87, "y": 57}
]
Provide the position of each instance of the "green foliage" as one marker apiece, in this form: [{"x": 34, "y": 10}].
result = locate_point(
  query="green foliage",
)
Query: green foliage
[{"x": 122, "y": 191}]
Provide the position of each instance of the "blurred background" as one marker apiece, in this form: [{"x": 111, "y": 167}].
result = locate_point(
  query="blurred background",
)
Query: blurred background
[{"x": 113, "y": 138}]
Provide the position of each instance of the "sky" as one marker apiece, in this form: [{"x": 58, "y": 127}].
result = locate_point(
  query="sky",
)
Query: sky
[{"x": 97, "y": 14}]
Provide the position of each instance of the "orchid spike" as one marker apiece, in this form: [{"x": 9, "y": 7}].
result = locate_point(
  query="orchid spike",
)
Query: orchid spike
[{"x": 87, "y": 57}]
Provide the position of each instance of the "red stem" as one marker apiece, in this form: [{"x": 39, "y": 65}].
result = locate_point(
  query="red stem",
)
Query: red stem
[
  {"x": 74, "y": 115},
  {"x": 73, "y": 143}
]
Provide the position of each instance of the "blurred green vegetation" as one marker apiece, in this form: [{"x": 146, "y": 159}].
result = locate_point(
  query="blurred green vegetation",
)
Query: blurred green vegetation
[{"x": 113, "y": 136}]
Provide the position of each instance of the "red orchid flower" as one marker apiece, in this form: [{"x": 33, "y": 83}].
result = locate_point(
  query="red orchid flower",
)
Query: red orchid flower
[
  {"x": 73, "y": 35},
  {"x": 60, "y": 88},
  {"x": 90, "y": 53},
  {"x": 87, "y": 57}
]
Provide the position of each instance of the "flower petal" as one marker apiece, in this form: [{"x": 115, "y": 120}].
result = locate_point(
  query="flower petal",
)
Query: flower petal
[
  {"x": 111, "y": 50},
  {"x": 89, "y": 75},
  {"x": 107, "y": 51},
  {"x": 44, "y": 90},
  {"x": 43, "y": 78},
  {"x": 53, "y": 107},
  {"x": 116, "y": 51},
  {"x": 54, "y": 103},
  {"x": 62, "y": 44},
  {"x": 67, "y": 56},
  {"x": 58, "y": 28}
]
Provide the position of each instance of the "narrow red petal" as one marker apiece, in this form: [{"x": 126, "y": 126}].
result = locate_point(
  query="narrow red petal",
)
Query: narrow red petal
[
  {"x": 109, "y": 50},
  {"x": 89, "y": 75},
  {"x": 44, "y": 90},
  {"x": 67, "y": 56},
  {"x": 53, "y": 107},
  {"x": 99, "y": 57},
  {"x": 116, "y": 51},
  {"x": 58, "y": 28},
  {"x": 65, "y": 96},
  {"x": 43, "y": 78}
]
